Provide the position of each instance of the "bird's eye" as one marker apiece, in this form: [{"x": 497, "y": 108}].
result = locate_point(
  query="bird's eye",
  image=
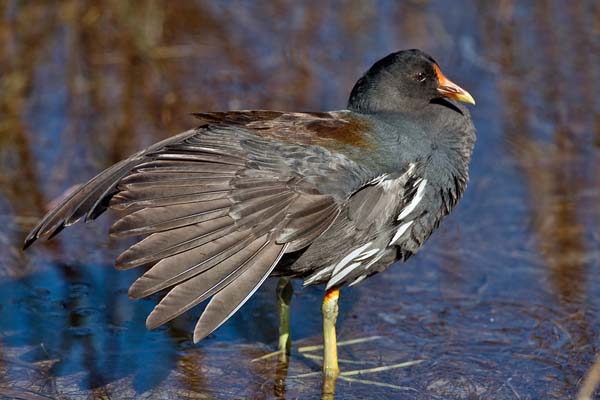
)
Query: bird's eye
[{"x": 420, "y": 77}]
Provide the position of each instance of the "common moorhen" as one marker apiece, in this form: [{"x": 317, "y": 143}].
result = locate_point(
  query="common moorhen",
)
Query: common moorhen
[{"x": 330, "y": 197}]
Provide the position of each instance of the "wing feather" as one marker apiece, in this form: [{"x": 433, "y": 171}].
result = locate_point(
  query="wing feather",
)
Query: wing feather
[
  {"x": 129, "y": 200},
  {"x": 161, "y": 245},
  {"x": 157, "y": 219},
  {"x": 74, "y": 206},
  {"x": 228, "y": 300},
  {"x": 219, "y": 206},
  {"x": 178, "y": 268},
  {"x": 197, "y": 289}
]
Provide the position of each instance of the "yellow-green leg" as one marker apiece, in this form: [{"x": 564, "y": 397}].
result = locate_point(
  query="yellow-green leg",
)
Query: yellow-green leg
[
  {"x": 330, "y": 360},
  {"x": 284, "y": 297}
]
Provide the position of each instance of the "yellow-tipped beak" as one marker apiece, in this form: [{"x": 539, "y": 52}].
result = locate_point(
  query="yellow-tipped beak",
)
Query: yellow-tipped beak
[{"x": 450, "y": 89}]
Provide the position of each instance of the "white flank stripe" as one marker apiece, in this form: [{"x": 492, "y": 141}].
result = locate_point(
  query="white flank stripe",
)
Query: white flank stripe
[
  {"x": 388, "y": 184},
  {"x": 410, "y": 170},
  {"x": 317, "y": 276},
  {"x": 373, "y": 261},
  {"x": 359, "y": 279},
  {"x": 378, "y": 180},
  {"x": 366, "y": 255},
  {"x": 342, "y": 274},
  {"x": 401, "y": 231},
  {"x": 415, "y": 201},
  {"x": 349, "y": 258}
]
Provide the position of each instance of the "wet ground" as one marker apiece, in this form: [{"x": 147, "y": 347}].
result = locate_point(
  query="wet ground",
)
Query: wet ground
[{"x": 503, "y": 302}]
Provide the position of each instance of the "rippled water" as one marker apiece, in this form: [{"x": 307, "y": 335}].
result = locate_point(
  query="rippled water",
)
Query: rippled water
[{"x": 502, "y": 303}]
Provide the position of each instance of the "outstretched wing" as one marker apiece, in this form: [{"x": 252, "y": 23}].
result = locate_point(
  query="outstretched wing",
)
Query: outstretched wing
[{"x": 219, "y": 206}]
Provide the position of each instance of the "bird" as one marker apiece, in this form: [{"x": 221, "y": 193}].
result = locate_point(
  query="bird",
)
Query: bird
[{"x": 328, "y": 197}]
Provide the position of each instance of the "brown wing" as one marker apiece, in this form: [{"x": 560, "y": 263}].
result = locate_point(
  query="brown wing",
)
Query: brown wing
[
  {"x": 219, "y": 206},
  {"x": 333, "y": 130}
]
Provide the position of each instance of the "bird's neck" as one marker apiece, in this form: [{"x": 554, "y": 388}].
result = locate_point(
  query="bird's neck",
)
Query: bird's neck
[{"x": 374, "y": 97}]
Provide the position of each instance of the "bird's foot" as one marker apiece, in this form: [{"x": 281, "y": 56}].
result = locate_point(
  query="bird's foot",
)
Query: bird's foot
[{"x": 354, "y": 375}]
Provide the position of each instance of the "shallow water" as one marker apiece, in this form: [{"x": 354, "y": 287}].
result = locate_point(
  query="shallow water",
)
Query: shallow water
[{"x": 503, "y": 302}]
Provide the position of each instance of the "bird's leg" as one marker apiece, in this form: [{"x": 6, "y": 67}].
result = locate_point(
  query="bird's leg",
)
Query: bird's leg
[
  {"x": 285, "y": 291},
  {"x": 330, "y": 360},
  {"x": 284, "y": 297}
]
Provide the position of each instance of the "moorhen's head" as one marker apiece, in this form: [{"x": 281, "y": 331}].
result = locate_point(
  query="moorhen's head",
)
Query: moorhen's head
[{"x": 401, "y": 81}]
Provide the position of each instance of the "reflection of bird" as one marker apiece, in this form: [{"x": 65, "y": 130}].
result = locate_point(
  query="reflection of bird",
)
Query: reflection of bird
[{"x": 324, "y": 196}]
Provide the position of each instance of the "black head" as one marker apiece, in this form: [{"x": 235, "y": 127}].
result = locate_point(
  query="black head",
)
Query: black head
[{"x": 401, "y": 81}]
